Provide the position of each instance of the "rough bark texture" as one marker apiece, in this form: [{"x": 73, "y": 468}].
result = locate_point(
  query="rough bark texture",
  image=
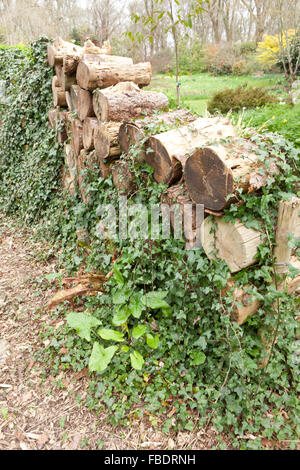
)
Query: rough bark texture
[
  {"x": 102, "y": 75},
  {"x": 84, "y": 104},
  {"x": 89, "y": 126},
  {"x": 134, "y": 132},
  {"x": 58, "y": 122},
  {"x": 127, "y": 105},
  {"x": 235, "y": 243},
  {"x": 106, "y": 141}
]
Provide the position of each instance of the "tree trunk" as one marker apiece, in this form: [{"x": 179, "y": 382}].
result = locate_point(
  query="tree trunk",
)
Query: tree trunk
[
  {"x": 135, "y": 132},
  {"x": 235, "y": 243},
  {"x": 88, "y": 132},
  {"x": 106, "y": 141},
  {"x": 84, "y": 104},
  {"x": 124, "y": 106},
  {"x": 100, "y": 75},
  {"x": 169, "y": 151},
  {"x": 77, "y": 142}
]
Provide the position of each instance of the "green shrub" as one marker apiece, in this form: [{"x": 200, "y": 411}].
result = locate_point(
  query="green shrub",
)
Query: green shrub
[
  {"x": 236, "y": 99},
  {"x": 191, "y": 57}
]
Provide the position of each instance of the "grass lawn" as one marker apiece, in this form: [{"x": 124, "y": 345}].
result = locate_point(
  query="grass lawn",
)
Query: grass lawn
[{"x": 197, "y": 89}]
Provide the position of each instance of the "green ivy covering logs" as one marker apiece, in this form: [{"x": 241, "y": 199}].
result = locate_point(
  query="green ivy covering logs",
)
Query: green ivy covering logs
[{"x": 160, "y": 340}]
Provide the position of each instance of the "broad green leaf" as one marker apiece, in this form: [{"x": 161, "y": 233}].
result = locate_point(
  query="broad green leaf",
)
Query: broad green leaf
[
  {"x": 82, "y": 323},
  {"x": 139, "y": 331},
  {"x": 155, "y": 299},
  {"x": 121, "y": 315},
  {"x": 121, "y": 296},
  {"x": 113, "y": 335},
  {"x": 118, "y": 275},
  {"x": 198, "y": 358},
  {"x": 101, "y": 357},
  {"x": 137, "y": 360},
  {"x": 152, "y": 341},
  {"x": 136, "y": 305}
]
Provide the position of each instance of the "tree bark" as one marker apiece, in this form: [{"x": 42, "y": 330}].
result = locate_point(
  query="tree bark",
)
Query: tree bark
[
  {"x": 135, "y": 132},
  {"x": 106, "y": 141},
  {"x": 89, "y": 126},
  {"x": 124, "y": 106},
  {"x": 235, "y": 243},
  {"x": 99, "y": 75},
  {"x": 84, "y": 104}
]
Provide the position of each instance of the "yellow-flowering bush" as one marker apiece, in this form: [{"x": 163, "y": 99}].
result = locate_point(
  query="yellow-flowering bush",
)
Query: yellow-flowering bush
[{"x": 269, "y": 49}]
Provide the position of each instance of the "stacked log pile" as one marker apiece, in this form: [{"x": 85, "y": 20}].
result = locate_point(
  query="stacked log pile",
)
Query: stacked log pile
[{"x": 100, "y": 110}]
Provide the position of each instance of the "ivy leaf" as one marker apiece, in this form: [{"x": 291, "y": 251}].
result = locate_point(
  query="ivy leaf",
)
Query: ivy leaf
[
  {"x": 120, "y": 317},
  {"x": 139, "y": 331},
  {"x": 198, "y": 358},
  {"x": 155, "y": 299},
  {"x": 101, "y": 357},
  {"x": 153, "y": 341},
  {"x": 136, "y": 305},
  {"x": 137, "y": 360},
  {"x": 118, "y": 275},
  {"x": 113, "y": 335},
  {"x": 82, "y": 323}
]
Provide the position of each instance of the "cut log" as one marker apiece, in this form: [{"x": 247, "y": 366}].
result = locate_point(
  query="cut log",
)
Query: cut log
[
  {"x": 74, "y": 91},
  {"x": 169, "y": 151},
  {"x": 68, "y": 81},
  {"x": 123, "y": 178},
  {"x": 127, "y": 105},
  {"x": 286, "y": 225},
  {"x": 184, "y": 219},
  {"x": 92, "y": 75},
  {"x": 58, "y": 121},
  {"x": 59, "y": 49},
  {"x": 69, "y": 101},
  {"x": 106, "y": 141},
  {"x": 89, "y": 126},
  {"x": 59, "y": 96},
  {"x": 84, "y": 104},
  {"x": 135, "y": 132},
  {"x": 216, "y": 171},
  {"x": 244, "y": 305},
  {"x": 234, "y": 243},
  {"x": 77, "y": 142},
  {"x": 59, "y": 75},
  {"x": 121, "y": 87}
]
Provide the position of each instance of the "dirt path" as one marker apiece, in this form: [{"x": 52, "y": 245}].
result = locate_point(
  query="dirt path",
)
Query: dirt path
[{"x": 34, "y": 414}]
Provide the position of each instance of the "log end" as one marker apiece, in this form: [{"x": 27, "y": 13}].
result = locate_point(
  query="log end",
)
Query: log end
[{"x": 209, "y": 181}]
